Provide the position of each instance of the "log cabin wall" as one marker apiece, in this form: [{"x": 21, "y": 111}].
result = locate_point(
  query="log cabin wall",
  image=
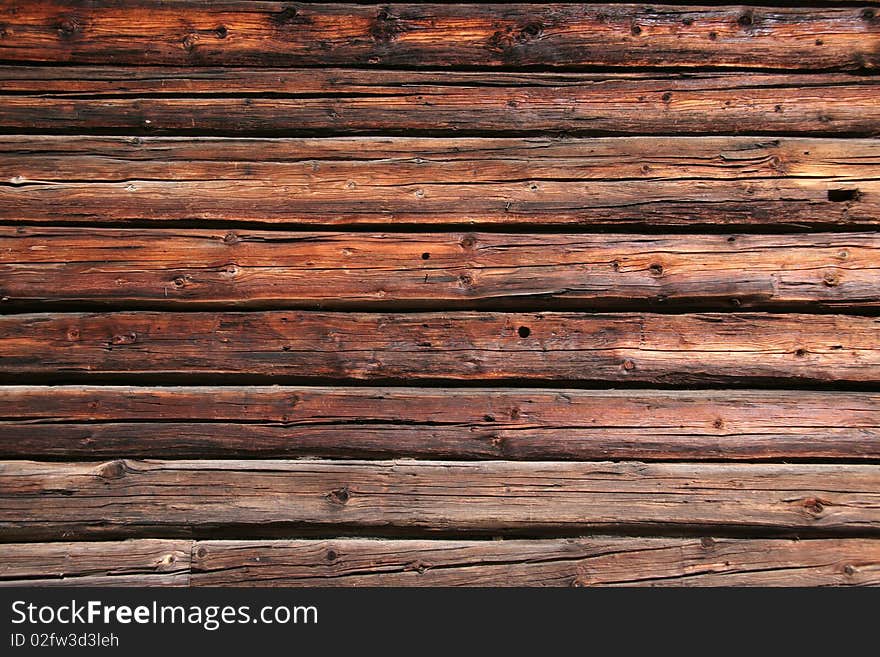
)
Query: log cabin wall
[{"x": 336, "y": 294}]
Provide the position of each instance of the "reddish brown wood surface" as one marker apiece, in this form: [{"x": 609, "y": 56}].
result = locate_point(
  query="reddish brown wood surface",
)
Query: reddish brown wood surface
[
  {"x": 675, "y": 181},
  {"x": 595, "y": 561},
  {"x": 181, "y": 498},
  {"x": 253, "y": 421},
  {"x": 495, "y": 178},
  {"x": 282, "y": 102},
  {"x": 251, "y": 269},
  {"x": 465, "y": 346},
  {"x": 551, "y": 35}
]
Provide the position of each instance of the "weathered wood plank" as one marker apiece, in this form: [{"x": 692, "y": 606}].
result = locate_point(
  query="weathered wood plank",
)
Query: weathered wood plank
[
  {"x": 650, "y": 180},
  {"x": 466, "y": 346},
  {"x": 338, "y": 101},
  {"x": 391, "y": 180},
  {"x": 40, "y": 500},
  {"x": 291, "y": 34},
  {"x": 595, "y": 561},
  {"x": 106, "y": 421},
  {"x": 422, "y": 271},
  {"x": 143, "y": 562}
]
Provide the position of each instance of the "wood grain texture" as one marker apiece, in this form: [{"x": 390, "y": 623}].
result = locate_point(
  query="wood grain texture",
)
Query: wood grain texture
[
  {"x": 92, "y": 422},
  {"x": 466, "y": 346},
  {"x": 40, "y": 501},
  {"x": 595, "y": 561},
  {"x": 143, "y": 562},
  {"x": 423, "y": 271},
  {"x": 386, "y": 181},
  {"x": 553, "y": 35},
  {"x": 344, "y": 101}
]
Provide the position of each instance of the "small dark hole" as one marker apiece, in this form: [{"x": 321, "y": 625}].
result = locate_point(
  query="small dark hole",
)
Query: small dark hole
[
  {"x": 636, "y": 30},
  {"x": 524, "y": 331},
  {"x": 843, "y": 195},
  {"x": 656, "y": 269},
  {"x": 489, "y": 418},
  {"x": 800, "y": 353},
  {"x": 331, "y": 555},
  {"x": 221, "y": 32},
  {"x": 426, "y": 256}
]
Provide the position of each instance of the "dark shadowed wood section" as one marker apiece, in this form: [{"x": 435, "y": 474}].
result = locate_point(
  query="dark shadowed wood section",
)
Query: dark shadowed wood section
[
  {"x": 88, "y": 422},
  {"x": 251, "y": 269},
  {"x": 550, "y": 35},
  {"x": 625, "y": 347},
  {"x": 180, "y": 498},
  {"x": 675, "y": 181},
  {"x": 595, "y": 561},
  {"x": 346, "y": 101}
]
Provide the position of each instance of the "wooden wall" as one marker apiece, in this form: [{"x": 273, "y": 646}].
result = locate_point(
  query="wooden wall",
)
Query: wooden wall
[{"x": 439, "y": 294}]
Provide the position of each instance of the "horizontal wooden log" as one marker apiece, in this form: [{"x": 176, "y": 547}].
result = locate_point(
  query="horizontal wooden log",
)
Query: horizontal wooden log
[
  {"x": 294, "y": 34},
  {"x": 40, "y": 500},
  {"x": 105, "y": 421},
  {"x": 596, "y": 561},
  {"x": 339, "y": 101},
  {"x": 467, "y": 346},
  {"x": 249, "y": 269},
  {"x": 403, "y": 180},
  {"x": 143, "y": 562}
]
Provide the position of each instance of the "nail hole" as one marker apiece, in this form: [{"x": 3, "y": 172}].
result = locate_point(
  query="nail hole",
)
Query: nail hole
[
  {"x": 524, "y": 331},
  {"x": 800, "y": 353},
  {"x": 843, "y": 195},
  {"x": 426, "y": 256},
  {"x": 656, "y": 269}
]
